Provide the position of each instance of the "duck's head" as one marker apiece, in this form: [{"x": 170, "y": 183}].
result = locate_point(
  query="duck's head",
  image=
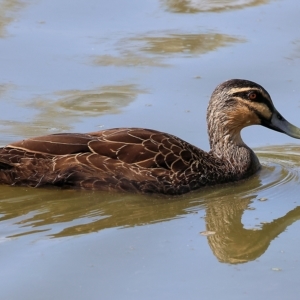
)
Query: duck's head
[{"x": 238, "y": 103}]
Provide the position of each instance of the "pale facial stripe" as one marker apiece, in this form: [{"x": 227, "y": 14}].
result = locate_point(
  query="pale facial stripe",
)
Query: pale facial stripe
[{"x": 249, "y": 89}]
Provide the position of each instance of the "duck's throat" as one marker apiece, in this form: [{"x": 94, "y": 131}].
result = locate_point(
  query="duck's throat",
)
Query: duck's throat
[{"x": 240, "y": 159}]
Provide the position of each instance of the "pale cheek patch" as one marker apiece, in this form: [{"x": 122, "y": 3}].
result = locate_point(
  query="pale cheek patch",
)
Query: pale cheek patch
[
  {"x": 262, "y": 109},
  {"x": 242, "y": 117}
]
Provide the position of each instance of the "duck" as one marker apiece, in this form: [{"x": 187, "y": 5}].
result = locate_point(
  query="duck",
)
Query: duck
[{"x": 149, "y": 161}]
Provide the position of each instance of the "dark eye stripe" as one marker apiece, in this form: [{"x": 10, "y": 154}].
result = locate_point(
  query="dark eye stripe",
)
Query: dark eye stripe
[
  {"x": 259, "y": 99},
  {"x": 260, "y": 116}
]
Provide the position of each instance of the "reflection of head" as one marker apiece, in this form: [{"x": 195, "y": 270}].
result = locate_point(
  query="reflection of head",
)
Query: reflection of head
[{"x": 236, "y": 252}]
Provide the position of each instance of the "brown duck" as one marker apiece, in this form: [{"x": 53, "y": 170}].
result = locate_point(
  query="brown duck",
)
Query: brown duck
[{"x": 149, "y": 161}]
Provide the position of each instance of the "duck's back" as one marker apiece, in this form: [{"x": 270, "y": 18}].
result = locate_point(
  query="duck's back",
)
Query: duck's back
[{"x": 126, "y": 159}]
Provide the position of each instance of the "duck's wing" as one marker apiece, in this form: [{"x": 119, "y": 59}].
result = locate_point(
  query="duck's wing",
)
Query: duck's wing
[
  {"x": 148, "y": 160},
  {"x": 145, "y": 148}
]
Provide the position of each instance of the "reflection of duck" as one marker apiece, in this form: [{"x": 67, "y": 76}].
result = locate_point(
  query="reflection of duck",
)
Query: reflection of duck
[
  {"x": 24, "y": 213},
  {"x": 147, "y": 160}
]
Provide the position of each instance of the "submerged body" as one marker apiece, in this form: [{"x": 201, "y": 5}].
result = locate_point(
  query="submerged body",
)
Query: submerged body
[{"x": 144, "y": 160}]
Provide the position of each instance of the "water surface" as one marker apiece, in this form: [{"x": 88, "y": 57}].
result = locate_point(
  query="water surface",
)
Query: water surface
[{"x": 82, "y": 67}]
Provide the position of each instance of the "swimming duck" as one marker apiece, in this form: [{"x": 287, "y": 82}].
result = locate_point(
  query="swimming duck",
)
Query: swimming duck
[{"x": 149, "y": 161}]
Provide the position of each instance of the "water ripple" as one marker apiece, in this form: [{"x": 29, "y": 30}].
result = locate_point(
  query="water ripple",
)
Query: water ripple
[{"x": 281, "y": 167}]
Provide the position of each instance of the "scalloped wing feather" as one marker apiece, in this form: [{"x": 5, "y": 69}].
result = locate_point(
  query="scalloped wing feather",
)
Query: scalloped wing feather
[{"x": 116, "y": 159}]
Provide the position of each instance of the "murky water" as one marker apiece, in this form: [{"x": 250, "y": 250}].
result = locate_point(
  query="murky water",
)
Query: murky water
[{"x": 81, "y": 67}]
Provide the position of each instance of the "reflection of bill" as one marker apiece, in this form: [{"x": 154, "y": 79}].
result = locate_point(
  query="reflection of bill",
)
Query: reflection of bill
[{"x": 193, "y": 6}]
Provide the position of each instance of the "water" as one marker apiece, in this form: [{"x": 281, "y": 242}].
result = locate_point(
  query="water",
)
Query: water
[
  {"x": 78, "y": 66},
  {"x": 70, "y": 243}
]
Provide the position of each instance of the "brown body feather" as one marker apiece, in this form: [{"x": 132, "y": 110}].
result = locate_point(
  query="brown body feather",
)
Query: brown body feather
[
  {"x": 128, "y": 159},
  {"x": 144, "y": 160}
]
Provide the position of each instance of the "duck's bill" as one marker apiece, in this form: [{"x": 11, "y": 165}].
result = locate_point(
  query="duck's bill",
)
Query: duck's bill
[{"x": 280, "y": 124}]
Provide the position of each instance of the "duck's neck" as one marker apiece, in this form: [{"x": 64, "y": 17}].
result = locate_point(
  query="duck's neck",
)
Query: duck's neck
[{"x": 226, "y": 144}]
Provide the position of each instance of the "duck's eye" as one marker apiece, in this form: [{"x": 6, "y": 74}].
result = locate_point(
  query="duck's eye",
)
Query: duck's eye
[{"x": 252, "y": 96}]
